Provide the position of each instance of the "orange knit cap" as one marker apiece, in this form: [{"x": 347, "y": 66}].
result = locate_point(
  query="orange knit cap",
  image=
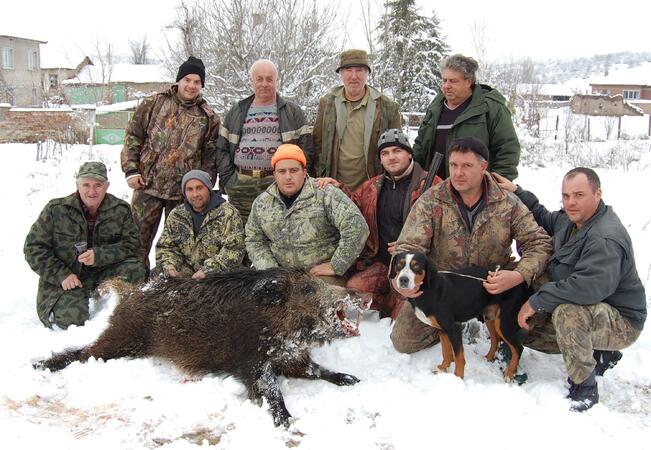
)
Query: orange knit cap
[{"x": 288, "y": 151}]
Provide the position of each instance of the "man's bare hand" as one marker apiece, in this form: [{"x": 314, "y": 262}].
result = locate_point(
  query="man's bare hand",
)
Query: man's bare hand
[
  {"x": 323, "y": 269},
  {"x": 504, "y": 183},
  {"x": 71, "y": 282},
  {"x": 173, "y": 273},
  {"x": 324, "y": 181},
  {"x": 525, "y": 312},
  {"x": 136, "y": 182},
  {"x": 87, "y": 258},
  {"x": 391, "y": 248},
  {"x": 409, "y": 293},
  {"x": 198, "y": 275},
  {"x": 502, "y": 280}
]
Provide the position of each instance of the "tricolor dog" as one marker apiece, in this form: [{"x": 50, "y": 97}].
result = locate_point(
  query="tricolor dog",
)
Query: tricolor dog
[{"x": 452, "y": 297}]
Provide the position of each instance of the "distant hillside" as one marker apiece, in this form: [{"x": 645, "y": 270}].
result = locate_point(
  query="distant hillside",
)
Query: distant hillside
[{"x": 558, "y": 71}]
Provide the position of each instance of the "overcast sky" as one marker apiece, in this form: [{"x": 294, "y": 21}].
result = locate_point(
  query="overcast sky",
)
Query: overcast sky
[{"x": 550, "y": 29}]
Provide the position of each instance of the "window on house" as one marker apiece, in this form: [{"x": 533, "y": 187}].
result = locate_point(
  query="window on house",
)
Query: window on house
[
  {"x": 32, "y": 60},
  {"x": 7, "y": 58},
  {"x": 54, "y": 81},
  {"x": 631, "y": 95}
]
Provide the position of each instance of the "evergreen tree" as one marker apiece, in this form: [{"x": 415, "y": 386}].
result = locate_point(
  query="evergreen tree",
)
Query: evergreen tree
[{"x": 410, "y": 49}]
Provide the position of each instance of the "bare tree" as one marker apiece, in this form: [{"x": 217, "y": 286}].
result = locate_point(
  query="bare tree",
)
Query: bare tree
[
  {"x": 303, "y": 38},
  {"x": 481, "y": 44},
  {"x": 105, "y": 60},
  {"x": 139, "y": 50}
]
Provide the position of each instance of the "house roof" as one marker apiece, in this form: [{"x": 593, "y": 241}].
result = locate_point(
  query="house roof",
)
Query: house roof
[
  {"x": 126, "y": 73},
  {"x": 24, "y": 38},
  {"x": 634, "y": 76},
  {"x": 59, "y": 58}
]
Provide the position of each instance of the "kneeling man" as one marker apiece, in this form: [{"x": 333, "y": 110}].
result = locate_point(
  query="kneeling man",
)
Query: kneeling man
[
  {"x": 295, "y": 224},
  {"x": 596, "y": 298},
  {"x": 79, "y": 241},
  {"x": 204, "y": 234}
]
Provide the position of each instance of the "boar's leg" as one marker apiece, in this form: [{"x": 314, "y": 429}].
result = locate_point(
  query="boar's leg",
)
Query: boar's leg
[
  {"x": 61, "y": 360},
  {"x": 264, "y": 384},
  {"x": 304, "y": 367}
]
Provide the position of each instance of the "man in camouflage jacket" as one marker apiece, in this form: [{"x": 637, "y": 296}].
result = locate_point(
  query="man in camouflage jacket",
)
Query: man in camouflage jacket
[
  {"x": 295, "y": 224},
  {"x": 469, "y": 221},
  {"x": 89, "y": 218},
  {"x": 170, "y": 133},
  {"x": 205, "y": 234}
]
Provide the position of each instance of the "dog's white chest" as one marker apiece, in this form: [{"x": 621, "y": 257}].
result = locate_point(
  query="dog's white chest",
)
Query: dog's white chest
[{"x": 421, "y": 316}]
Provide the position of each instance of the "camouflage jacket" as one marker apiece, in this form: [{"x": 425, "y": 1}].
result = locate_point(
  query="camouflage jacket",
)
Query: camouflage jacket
[
  {"x": 166, "y": 138},
  {"x": 321, "y": 225},
  {"x": 435, "y": 227},
  {"x": 381, "y": 114},
  {"x": 219, "y": 245},
  {"x": 292, "y": 126},
  {"x": 49, "y": 247},
  {"x": 366, "y": 198}
]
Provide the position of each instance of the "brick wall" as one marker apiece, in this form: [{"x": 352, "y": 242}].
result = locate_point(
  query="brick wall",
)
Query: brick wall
[{"x": 34, "y": 125}]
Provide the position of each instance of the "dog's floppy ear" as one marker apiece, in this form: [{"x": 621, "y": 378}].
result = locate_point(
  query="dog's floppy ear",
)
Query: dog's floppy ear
[
  {"x": 431, "y": 273},
  {"x": 270, "y": 291}
]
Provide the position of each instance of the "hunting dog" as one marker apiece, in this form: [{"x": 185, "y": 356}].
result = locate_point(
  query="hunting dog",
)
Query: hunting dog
[{"x": 450, "y": 298}]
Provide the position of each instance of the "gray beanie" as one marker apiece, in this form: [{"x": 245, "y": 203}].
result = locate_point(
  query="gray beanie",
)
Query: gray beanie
[
  {"x": 196, "y": 174},
  {"x": 393, "y": 138}
]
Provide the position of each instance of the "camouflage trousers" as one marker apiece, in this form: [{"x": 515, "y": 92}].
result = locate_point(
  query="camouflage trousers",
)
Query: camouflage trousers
[
  {"x": 371, "y": 277},
  {"x": 243, "y": 189},
  {"x": 409, "y": 334},
  {"x": 65, "y": 308},
  {"x": 576, "y": 331},
  {"x": 147, "y": 211}
]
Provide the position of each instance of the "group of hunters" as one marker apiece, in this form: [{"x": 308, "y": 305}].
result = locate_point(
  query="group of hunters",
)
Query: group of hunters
[{"x": 338, "y": 199}]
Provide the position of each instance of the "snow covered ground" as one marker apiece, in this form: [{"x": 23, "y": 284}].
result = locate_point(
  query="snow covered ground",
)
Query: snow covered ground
[{"x": 399, "y": 404}]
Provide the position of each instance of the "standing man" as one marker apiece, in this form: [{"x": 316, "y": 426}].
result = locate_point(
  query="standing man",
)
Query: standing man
[
  {"x": 349, "y": 122},
  {"x": 467, "y": 108},
  {"x": 467, "y": 220},
  {"x": 170, "y": 133},
  {"x": 204, "y": 234},
  {"x": 385, "y": 201},
  {"x": 295, "y": 224},
  {"x": 595, "y": 296},
  {"x": 77, "y": 242},
  {"x": 252, "y": 131}
]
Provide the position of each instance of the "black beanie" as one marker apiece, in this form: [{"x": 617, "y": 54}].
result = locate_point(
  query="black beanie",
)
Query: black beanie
[
  {"x": 469, "y": 143},
  {"x": 195, "y": 66}
]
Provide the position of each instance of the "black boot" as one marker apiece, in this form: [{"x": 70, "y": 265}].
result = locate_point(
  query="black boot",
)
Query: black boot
[
  {"x": 584, "y": 395},
  {"x": 605, "y": 359}
]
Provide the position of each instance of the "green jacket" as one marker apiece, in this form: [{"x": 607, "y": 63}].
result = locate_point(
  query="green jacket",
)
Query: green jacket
[
  {"x": 435, "y": 227},
  {"x": 292, "y": 126},
  {"x": 321, "y": 225},
  {"x": 218, "y": 247},
  {"x": 166, "y": 138},
  {"x": 487, "y": 118},
  {"x": 49, "y": 246},
  {"x": 381, "y": 114}
]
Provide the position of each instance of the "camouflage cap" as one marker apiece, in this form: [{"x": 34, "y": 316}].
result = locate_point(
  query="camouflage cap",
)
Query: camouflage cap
[
  {"x": 92, "y": 169},
  {"x": 352, "y": 58}
]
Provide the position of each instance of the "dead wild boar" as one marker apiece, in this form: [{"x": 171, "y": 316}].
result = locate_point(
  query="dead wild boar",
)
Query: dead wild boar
[{"x": 251, "y": 324}]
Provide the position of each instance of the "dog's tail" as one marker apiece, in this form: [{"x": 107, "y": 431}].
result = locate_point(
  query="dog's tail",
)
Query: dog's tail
[{"x": 61, "y": 360}]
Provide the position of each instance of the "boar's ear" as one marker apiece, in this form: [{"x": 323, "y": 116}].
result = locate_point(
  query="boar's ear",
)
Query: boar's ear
[{"x": 270, "y": 292}]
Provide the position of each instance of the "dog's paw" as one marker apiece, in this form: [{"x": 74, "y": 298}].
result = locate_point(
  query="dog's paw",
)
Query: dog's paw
[{"x": 440, "y": 369}]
